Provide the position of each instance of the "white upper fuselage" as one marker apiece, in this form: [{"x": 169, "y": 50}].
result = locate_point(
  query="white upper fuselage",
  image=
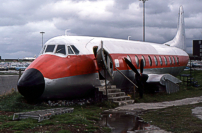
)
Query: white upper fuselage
[{"x": 85, "y": 46}]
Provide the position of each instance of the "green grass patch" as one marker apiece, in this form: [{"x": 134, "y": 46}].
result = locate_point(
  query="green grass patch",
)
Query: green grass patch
[
  {"x": 175, "y": 119},
  {"x": 15, "y": 102},
  {"x": 4, "y": 118},
  {"x": 86, "y": 115},
  {"x": 64, "y": 131},
  {"x": 22, "y": 125},
  {"x": 106, "y": 129}
]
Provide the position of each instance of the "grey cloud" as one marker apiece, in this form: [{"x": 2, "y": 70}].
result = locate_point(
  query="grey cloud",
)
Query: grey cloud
[
  {"x": 123, "y": 4},
  {"x": 157, "y": 7},
  {"x": 21, "y": 22}
]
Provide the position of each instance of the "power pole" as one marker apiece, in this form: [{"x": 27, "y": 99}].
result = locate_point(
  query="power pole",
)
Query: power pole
[
  {"x": 143, "y": 19},
  {"x": 42, "y": 37}
]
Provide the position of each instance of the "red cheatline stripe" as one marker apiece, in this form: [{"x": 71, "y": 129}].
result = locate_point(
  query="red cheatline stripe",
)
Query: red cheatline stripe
[{"x": 53, "y": 67}]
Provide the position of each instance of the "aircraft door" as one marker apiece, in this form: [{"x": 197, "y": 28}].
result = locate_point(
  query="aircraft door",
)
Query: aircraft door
[{"x": 105, "y": 63}]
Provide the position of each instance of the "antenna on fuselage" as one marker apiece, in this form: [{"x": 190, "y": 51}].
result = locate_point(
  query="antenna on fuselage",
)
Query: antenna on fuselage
[{"x": 66, "y": 31}]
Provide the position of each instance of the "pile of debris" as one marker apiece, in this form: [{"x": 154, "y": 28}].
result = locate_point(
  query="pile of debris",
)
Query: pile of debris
[{"x": 68, "y": 102}]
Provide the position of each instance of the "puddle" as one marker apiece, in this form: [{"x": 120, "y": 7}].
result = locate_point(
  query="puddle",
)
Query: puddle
[{"x": 123, "y": 122}]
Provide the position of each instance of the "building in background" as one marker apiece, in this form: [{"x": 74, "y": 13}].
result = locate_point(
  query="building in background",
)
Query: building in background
[{"x": 197, "y": 49}]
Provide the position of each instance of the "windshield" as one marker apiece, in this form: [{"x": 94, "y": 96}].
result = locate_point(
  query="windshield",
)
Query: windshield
[
  {"x": 61, "y": 49},
  {"x": 75, "y": 49},
  {"x": 50, "y": 48}
]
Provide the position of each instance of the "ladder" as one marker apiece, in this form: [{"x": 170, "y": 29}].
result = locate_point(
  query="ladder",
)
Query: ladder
[{"x": 41, "y": 115}]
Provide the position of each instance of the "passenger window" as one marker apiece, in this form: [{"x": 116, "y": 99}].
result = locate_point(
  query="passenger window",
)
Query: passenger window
[
  {"x": 170, "y": 60},
  {"x": 150, "y": 61},
  {"x": 50, "y": 48},
  {"x": 165, "y": 60},
  {"x": 76, "y": 51},
  {"x": 160, "y": 60},
  {"x": 70, "y": 50},
  {"x": 173, "y": 60},
  {"x": 61, "y": 49},
  {"x": 177, "y": 60},
  {"x": 155, "y": 59},
  {"x": 137, "y": 61},
  {"x": 144, "y": 61},
  {"x": 128, "y": 57}
]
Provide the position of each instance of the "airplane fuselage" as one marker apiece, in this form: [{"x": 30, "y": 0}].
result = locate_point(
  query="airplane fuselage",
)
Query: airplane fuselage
[
  {"x": 74, "y": 72},
  {"x": 72, "y": 66}
]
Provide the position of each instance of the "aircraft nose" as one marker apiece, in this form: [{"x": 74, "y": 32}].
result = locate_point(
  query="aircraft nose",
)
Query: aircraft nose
[{"x": 31, "y": 84}]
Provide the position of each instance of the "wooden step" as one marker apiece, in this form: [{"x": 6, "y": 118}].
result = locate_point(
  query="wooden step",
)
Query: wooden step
[
  {"x": 111, "y": 91},
  {"x": 121, "y": 103},
  {"x": 111, "y": 87},
  {"x": 121, "y": 98},
  {"x": 101, "y": 88},
  {"x": 116, "y": 94}
]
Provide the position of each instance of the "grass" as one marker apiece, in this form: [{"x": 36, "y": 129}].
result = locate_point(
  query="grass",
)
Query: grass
[
  {"x": 14, "y": 102},
  {"x": 175, "y": 119},
  {"x": 83, "y": 117},
  {"x": 64, "y": 131}
]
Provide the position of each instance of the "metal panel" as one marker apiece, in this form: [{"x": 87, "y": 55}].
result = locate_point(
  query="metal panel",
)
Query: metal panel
[
  {"x": 171, "y": 87},
  {"x": 162, "y": 78}
]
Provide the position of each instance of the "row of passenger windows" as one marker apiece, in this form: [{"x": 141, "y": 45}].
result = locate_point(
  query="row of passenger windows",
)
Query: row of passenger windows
[
  {"x": 158, "y": 60},
  {"x": 60, "y": 49}
]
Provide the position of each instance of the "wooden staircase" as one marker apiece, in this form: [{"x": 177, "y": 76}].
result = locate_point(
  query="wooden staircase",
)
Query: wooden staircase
[{"x": 115, "y": 95}]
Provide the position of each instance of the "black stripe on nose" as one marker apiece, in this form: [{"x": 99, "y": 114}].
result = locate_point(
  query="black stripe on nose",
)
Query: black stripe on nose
[{"x": 31, "y": 84}]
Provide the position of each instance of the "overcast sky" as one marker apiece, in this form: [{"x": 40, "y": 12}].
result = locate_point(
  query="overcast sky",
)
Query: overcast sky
[{"x": 21, "y": 21}]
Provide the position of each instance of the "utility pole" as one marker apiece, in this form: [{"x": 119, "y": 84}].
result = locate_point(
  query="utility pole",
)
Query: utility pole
[
  {"x": 42, "y": 37},
  {"x": 143, "y": 19}
]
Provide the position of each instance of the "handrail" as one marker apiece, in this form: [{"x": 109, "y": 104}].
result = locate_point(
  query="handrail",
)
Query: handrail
[{"x": 126, "y": 77}]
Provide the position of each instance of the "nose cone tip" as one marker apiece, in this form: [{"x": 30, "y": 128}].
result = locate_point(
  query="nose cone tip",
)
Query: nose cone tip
[{"x": 31, "y": 84}]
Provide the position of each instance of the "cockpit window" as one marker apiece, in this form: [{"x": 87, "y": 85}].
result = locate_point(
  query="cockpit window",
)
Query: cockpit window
[
  {"x": 70, "y": 50},
  {"x": 61, "y": 49},
  {"x": 50, "y": 48},
  {"x": 75, "y": 49}
]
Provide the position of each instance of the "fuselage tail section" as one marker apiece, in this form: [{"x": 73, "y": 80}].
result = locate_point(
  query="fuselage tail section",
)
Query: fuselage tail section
[{"x": 179, "y": 39}]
